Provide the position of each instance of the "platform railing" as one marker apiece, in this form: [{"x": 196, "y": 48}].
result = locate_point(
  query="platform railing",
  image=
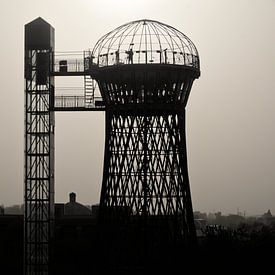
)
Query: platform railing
[
  {"x": 77, "y": 102},
  {"x": 66, "y": 62},
  {"x": 147, "y": 57},
  {"x": 80, "y": 62}
]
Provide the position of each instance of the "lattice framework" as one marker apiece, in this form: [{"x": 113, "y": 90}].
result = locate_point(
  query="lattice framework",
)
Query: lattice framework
[
  {"x": 146, "y": 169},
  {"x": 39, "y": 162}
]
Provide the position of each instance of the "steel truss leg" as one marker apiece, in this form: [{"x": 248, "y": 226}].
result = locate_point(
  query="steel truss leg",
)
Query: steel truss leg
[{"x": 145, "y": 170}]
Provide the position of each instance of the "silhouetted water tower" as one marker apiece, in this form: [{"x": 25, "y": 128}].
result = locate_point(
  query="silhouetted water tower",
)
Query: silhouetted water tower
[{"x": 145, "y": 71}]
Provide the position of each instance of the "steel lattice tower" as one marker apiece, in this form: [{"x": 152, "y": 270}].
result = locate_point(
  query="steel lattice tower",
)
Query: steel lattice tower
[
  {"x": 145, "y": 73},
  {"x": 39, "y": 145}
]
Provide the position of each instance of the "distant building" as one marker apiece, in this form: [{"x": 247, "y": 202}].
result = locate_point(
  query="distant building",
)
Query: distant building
[
  {"x": 267, "y": 218},
  {"x": 11, "y": 244},
  {"x": 75, "y": 233},
  {"x": 75, "y": 237},
  {"x": 200, "y": 225},
  {"x": 267, "y": 214},
  {"x": 17, "y": 209},
  {"x": 73, "y": 208},
  {"x": 199, "y": 215},
  {"x": 234, "y": 220}
]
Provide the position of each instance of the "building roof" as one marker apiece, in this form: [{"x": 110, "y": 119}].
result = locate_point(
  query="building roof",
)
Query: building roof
[{"x": 73, "y": 208}]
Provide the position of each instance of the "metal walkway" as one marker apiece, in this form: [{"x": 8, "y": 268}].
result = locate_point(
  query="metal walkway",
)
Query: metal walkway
[
  {"x": 77, "y": 103},
  {"x": 77, "y": 64}
]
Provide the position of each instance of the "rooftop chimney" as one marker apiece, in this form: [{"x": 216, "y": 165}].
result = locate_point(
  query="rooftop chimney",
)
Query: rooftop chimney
[{"x": 72, "y": 197}]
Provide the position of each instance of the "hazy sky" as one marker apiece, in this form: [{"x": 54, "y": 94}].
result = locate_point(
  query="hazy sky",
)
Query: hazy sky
[{"x": 230, "y": 113}]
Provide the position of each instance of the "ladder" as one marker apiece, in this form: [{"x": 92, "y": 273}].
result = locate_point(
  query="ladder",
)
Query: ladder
[{"x": 89, "y": 89}]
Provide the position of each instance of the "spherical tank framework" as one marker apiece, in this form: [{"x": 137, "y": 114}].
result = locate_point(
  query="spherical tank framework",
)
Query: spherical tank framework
[
  {"x": 145, "y": 71},
  {"x": 145, "y": 61},
  {"x": 145, "y": 42}
]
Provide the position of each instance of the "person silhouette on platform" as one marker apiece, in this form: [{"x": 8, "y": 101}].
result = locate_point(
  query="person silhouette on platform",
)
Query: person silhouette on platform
[{"x": 130, "y": 56}]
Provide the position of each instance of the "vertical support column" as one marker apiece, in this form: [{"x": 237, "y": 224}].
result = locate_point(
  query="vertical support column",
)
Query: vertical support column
[
  {"x": 188, "y": 215},
  {"x": 39, "y": 147}
]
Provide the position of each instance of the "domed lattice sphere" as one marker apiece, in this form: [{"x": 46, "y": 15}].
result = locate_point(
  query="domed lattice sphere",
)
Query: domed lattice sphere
[{"x": 145, "y": 42}]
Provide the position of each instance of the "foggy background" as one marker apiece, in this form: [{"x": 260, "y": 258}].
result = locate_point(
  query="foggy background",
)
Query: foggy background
[{"x": 230, "y": 113}]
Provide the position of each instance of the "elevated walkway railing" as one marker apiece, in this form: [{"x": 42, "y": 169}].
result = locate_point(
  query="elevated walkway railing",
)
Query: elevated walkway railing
[
  {"x": 72, "y": 102},
  {"x": 72, "y": 62}
]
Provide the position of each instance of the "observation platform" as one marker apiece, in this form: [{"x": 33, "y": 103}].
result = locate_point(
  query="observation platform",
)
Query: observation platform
[{"x": 68, "y": 64}]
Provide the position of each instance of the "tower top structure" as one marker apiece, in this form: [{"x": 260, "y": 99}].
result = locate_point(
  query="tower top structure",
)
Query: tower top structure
[
  {"x": 145, "y": 42},
  {"x": 39, "y": 35}
]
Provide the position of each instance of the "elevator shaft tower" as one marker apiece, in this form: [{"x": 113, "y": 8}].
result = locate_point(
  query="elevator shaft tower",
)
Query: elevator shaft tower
[{"x": 39, "y": 146}]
